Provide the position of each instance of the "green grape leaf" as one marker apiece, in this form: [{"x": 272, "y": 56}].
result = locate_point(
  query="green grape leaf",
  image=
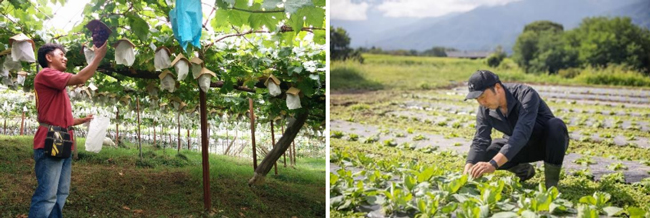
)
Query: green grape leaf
[
  {"x": 291, "y": 6},
  {"x": 258, "y": 20},
  {"x": 296, "y": 21},
  {"x": 271, "y": 4},
  {"x": 139, "y": 27},
  {"x": 241, "y": 3},
  {"x": 238, "y": 18},
  {"x": 315, "y": 17},
  {"x": 220, "y": 19},
  {"x": 319, "y": 37},
  {"x": 319, "y": 3}
]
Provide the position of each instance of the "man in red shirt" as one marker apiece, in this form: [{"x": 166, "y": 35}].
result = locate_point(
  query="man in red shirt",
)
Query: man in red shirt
[{"x": 54, "y": 108}]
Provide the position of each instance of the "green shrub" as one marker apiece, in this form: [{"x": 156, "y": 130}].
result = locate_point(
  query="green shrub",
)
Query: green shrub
[
  {"x": 360, "y": 107},
  {"x": 346, "y": 76},
  {"x": 569, "y": 73},
  {"x": 336, "y": 134},
  {"x": 353, "y": 137},
  {"x": 613, "y": 75},
  {"x": 145, "y": 163},
  {"x": 494, "y": 60}
]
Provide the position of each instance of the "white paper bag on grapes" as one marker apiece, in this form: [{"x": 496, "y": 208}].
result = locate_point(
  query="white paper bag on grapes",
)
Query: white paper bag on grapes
[
  {"x": 161, "y": 60},
  {"x": 9, "y": 64},
  {"x": 182, "y": 69},
  {"x": 197, "y": 67},
  {"x": 72, "y": 94},
  {"x": 20, "y": 79},
  {"x": 167, "y": 81},
  {"x": 89, "y": 54},
  {"x": 22, "y": 48},
  {"x": 204, "y": 79},
  {"x": 272, "y": 83},
  {"x": 204, "y": 82},
  {"x": 22, "y": 51},
  {"x": 124, "y": 53},
  {"x": 293, "y": 98},
  {"x": 182, "y": 66},
  {"x": 274, "y": 89}
]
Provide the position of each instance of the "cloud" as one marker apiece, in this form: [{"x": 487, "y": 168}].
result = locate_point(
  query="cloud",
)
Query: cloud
[
  {"x": 347, "y": 10},
  {"x": 429, "y": 8}
]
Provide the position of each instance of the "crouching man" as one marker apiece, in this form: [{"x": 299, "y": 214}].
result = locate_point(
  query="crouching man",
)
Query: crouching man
[{"x": 531, "y": 132}]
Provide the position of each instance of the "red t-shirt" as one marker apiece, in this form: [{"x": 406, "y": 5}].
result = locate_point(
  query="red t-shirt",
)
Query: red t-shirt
[{"x": 52, "y": 102}]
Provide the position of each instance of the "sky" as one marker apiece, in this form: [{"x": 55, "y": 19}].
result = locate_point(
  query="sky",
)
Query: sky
[
  {"x": 358, "y": 9},
  {"x": 66, "y": 17}
]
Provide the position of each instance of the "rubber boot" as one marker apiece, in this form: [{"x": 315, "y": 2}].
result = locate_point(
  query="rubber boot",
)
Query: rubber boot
[
  {"x": 552, "y": 174},
  {"x": 524, "y": 171}
]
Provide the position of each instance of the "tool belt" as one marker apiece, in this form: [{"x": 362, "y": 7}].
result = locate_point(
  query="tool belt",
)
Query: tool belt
[{"x": 58, "y": 142}]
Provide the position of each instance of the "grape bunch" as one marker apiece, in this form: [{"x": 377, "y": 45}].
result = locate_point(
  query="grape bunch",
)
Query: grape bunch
[{"x": 99, "y": 36}]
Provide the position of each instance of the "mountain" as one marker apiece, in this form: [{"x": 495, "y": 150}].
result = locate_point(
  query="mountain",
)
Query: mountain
[
  {"x": 363, "y": 32},
  {"x": 639, "y": 13},
  {"x": 377, "y": 27},
  {"x": 484, "y": 28}
]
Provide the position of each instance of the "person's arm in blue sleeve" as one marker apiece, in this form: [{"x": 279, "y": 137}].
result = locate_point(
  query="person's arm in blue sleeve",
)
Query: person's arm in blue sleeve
[{"x": 525, "y": 123}]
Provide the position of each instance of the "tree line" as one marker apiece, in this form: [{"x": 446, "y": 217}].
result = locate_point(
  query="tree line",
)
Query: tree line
[
  {"x": 544, "y": 46},
  {"x": 340, "y": 48},
  {"x": 599, "y": 42}
]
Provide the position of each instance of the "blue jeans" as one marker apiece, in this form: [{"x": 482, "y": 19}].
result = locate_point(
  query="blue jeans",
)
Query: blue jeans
[{"x": 53, "y": 175}]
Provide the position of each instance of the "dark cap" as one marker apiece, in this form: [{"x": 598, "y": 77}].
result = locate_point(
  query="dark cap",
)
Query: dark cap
[{"x": 479, "y": 81}]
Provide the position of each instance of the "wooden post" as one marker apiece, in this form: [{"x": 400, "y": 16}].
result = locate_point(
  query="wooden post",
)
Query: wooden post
[
  {"x": 273, "y": 141},
  {"x": 226, "y": 142},
  {"x": 188, "y": 139},
  {"x": 209, "y": 132},
  {"x": 252, "y": 115},
  {"x": 162, "y": 137},
  {"x": 179, "y": 131},
  {"x": 204, "y": 152},
  {"x": 117, "y": 127},
  {"x": 294, "y": 151},
  {"x": 154, "y": 133},
  {"x": 137, "y": 110},
  {"x": 22, "y": 124},
  {"x": 285, "y": 152},
  {"x": 224, "y": 146}
]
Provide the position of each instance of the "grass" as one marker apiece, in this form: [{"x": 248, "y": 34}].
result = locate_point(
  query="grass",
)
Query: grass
[
  {"x": 350, "y": 79},
  {"x": 387, "y": 72},
  {"x": 115, "y": 183}
]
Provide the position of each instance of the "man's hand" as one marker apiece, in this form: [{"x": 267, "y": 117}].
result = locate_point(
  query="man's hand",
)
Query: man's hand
[
  {"x": 88, "y": 71},
  {"x": 83, "y": 120},
  {"x": 481, "y": 168},
  {"x": 468, "y": 166},
  {"x": 101, "y": 51},
  {"x": 88, "y": 118}
]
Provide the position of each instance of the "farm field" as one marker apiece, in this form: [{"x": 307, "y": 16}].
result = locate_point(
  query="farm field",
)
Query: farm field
[{"x": 399, "y": 151}]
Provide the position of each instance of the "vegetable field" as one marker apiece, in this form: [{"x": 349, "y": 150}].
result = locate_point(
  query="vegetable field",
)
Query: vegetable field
[{"x": 401, "y": 153}]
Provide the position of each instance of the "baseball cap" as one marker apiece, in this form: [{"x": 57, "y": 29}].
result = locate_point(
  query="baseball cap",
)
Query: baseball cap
[{"x": 479, "y": 81}]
